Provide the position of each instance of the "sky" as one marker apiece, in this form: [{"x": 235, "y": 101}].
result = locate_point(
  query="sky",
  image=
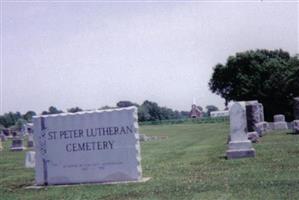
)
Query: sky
[{"x": 96, "y": 53}]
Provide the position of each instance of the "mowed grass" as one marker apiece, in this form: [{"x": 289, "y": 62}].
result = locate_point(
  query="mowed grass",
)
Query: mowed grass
[{"x": 189, "y": 164}]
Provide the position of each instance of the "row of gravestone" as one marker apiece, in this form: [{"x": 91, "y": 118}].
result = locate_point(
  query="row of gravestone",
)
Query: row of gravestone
[
  {"x": 247, "y": 125},
  {"x": 103, "y": 146},
  {"x": 17, "y": 143}
]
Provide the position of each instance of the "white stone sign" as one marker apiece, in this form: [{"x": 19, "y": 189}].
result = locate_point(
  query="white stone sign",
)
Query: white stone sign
[{"x": 87, "y": 147}]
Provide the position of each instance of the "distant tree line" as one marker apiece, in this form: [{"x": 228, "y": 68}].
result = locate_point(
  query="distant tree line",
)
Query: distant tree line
[
  {"x": 147, "y": 111},
  {"x": 151, "y": 111}
]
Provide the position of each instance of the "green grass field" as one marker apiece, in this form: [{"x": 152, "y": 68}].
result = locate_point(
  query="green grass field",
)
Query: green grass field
[{"x": 189, "y": 164}]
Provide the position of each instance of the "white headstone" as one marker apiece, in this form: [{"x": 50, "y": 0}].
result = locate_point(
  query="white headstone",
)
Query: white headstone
[
  {"x": 239, "y": 145},
  {"x": 30, "y": 159},
  {"x": 86, "y": 147}
]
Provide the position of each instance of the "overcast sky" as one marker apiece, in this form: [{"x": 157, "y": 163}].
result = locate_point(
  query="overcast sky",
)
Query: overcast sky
[{"x": 93, "y": 54}]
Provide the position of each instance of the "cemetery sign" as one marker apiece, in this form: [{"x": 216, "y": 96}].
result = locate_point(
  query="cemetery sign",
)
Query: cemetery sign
[{"x": 87, "y": 147}]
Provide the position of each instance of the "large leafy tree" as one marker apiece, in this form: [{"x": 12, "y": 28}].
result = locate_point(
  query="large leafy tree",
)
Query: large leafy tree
[{"x": 271, "y": 77}]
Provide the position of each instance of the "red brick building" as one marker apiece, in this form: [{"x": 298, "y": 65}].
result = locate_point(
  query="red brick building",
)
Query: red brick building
[{"x": 196, "y": 111}]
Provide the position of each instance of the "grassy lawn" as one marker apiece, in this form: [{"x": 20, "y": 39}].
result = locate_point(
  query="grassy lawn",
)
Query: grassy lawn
[{"x": 189, "y": 164}]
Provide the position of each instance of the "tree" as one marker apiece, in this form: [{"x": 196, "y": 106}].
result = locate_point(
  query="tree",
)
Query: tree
[
  {"x": 20, "y": 124},
  {"x": 151, "y": 111},
  {"x": 271, "y": 77},
  {"x": 74, "y": 110},
  {"x": 105, "y": 107},
  {"x": 9, "y": 119},
  {"x": 52, "y": 110},
  {"x": 122, "y": 104},
  {"x": 28, "y": 115},
  {"x": 211, "y": 108}
]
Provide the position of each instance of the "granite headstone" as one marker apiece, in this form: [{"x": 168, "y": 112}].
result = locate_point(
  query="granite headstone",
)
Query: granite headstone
[
  {"x": 253, "y": 115},
  {"x": 279, "y": 122},
  {"x": 17, "y": 144},
  {"x": 296, "y": 126}
]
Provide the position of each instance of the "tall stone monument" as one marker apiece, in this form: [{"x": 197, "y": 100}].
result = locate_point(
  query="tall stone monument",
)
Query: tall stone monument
[
  {"x": 253, "y": 114},
  {"x": 239, "y": 146},
  {"x": 87, "y": 147},
  {"x": 255, "y": 118}
]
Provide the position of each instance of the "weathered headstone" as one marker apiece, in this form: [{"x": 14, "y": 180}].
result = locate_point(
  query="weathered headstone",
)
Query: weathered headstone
[
  {"x": 253, "y": 114},
  {"x": 279, "y": 122},
  {"x": 17, "y": 144},
  {"x": 30, "y": 159},
  {"x": 261, "y": 128},
  {"x": 296, "y": 108},
  {"x": 85, "y": 147},
  {"x": 296, "y": 126},
  {"x": 239, "y": 146},
  {"x": 30, "y": 141},
  {"x": 262, "y": 115}
]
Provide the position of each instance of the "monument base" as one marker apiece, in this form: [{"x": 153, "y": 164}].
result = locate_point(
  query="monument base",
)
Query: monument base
[
  {"x": 17, "y": 148},
  {"x": 240, "y": 153},
  {"x": 143, "y": 180},
  {"x": 280, "y": 125}
]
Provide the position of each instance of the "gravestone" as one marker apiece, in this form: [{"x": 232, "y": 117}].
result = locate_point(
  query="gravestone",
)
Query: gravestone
[
  {"x": 296, "y": 126},
  {"x": 17, "y": 144},
  {"x": 261, "y": 128},
  {"x": 261, "y": 109},
  {"x": 3, "y": 137},
  {"x": 30, "y": 159},
  {"x": 253, "y": 114},
  {"x": 296, "y": 108},
  {"x": 87, "y": 147},
  {"x": 30, "y": 141},
  {"x": 279, "y": 122},
  {"x": 239, "y": 146},
  {"x": 1, "y": 147}
]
